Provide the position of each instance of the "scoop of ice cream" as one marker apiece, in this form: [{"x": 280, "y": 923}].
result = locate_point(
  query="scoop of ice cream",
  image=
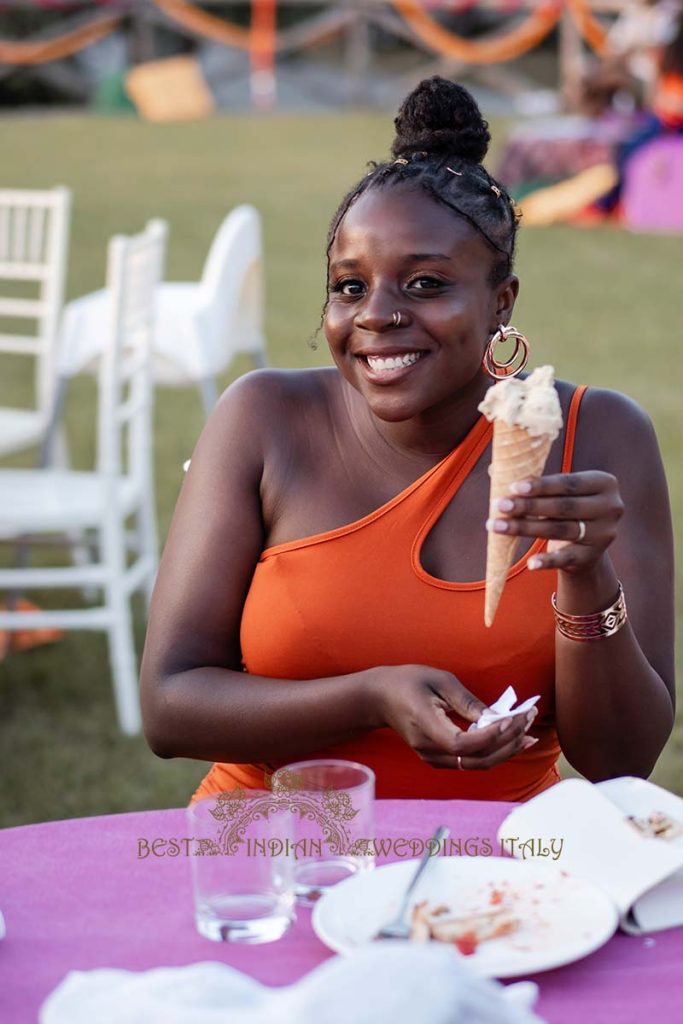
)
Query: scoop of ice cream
[
  {"x": 504, "y": 400},
  {"x": 531, "y": 403},
  {"x": 540, "y": 412}
]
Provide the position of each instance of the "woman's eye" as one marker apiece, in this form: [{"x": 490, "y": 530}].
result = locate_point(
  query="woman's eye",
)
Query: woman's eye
[
  {"x": 348, "y": 287},
  {"x": 425, "y": 283}
]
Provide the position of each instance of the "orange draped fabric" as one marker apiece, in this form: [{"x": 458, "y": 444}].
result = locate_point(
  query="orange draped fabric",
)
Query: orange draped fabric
[
  {"x": 536, "y": 25},
  {"x": 45, "y": 50},
  {"x": 588, "y": 25},
  {"x": 205, "y": 24},
  {"x": 356, "y": 597}
]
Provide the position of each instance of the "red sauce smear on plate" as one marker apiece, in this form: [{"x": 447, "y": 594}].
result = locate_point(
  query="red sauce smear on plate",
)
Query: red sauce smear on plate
[{"x": 467, "y": 944}]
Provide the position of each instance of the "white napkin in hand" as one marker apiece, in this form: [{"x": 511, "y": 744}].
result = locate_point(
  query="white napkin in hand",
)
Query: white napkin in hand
[
  {"x": 391, "y": 982},
  {"x": 504, "y": 708}
]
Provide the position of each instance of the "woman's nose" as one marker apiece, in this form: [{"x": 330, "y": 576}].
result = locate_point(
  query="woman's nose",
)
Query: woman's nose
[{"x": 377, "y": 315}]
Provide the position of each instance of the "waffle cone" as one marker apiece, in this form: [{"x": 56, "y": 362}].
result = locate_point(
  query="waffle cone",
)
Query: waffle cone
[{"x": 516, "y": 455}]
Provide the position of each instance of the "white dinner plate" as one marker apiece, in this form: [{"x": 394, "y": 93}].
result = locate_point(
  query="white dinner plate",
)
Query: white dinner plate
[{"x": 562, "y": 918}]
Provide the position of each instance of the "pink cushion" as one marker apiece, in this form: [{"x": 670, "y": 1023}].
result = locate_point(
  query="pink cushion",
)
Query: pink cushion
[{"x": 653, "y": 189}]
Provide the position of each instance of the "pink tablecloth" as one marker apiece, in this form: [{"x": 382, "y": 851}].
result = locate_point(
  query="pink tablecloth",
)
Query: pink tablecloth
[{"x": 75, "y": 894}]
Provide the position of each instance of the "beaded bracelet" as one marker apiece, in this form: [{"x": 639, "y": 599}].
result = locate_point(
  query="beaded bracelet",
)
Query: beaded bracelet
[{"x": 597, "y": 626}]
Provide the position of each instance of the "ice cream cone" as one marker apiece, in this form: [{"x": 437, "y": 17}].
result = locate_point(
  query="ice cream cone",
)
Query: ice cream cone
[
  {"x": 516, "y": 455},
  {"x": 526, "y": 417}
]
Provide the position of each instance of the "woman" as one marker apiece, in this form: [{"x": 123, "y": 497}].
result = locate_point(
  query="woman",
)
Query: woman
[{"x": 329, "y": 540}]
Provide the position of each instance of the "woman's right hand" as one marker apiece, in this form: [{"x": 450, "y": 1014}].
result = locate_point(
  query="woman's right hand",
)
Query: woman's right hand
[{"x": 416, "y": 700}]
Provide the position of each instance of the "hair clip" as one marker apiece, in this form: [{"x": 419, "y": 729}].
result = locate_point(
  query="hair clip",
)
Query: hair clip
[
  {"x": 401, "y": 160},
  {"x": 459, "y": 173},
  {"x": 494, "y": 188}
]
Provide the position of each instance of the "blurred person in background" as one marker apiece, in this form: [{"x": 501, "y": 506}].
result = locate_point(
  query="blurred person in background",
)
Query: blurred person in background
[
  {"x": 664, "y": 112},
  {"x": 594, "y": 193},
  {"x": 637, "y": 38}
]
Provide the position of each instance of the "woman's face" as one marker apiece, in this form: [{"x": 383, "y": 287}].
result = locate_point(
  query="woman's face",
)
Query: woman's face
[{"x": 398, "y": 250}]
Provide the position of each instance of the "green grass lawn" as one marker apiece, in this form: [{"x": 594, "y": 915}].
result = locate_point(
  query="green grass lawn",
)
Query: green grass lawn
[{"x": 600, "y": 304}]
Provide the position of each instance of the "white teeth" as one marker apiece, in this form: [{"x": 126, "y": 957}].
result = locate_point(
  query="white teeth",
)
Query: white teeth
[{"x": 393, "y": 362}]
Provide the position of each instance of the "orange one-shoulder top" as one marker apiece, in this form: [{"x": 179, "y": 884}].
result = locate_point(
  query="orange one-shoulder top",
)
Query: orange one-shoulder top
[{"x": 357, "y": 596}]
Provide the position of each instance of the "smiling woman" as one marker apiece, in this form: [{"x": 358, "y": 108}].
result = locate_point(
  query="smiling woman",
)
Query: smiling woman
[{"x": 322, "y": 588}]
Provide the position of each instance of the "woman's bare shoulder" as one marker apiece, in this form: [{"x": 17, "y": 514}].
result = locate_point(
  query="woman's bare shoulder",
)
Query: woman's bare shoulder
[
  {"x": 276, "y": 390},
  {"x": 269, "y": 431},
  {"x": 263, "y": 407},
  {"x": 613, "y": 429}
]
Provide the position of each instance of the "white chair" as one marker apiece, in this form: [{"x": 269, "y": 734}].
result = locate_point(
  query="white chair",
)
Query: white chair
[
  {"x": 200, "y": 326},
  {"x": 46, "y": 502},
  {"x": 34, "y": 230}
]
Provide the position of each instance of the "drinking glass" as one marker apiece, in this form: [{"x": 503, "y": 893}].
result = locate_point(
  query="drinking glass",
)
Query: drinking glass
[
  {"x": 332, "y": 805},
  {"x": 242, "y": 871}
]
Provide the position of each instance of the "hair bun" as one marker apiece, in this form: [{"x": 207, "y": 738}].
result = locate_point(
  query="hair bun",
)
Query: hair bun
[{"x": 441, "y": 118}]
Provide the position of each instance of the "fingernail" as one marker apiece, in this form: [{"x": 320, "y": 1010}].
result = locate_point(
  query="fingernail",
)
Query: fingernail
[
  {"x": 506, "y": 724},
  {"x": 535, "y": 563},
  {"x": 531, "y": 715},
  {"x": 496, "y": 525},
  {"x": 529, "y": 741},
  {"x": 504, "y": 505},
  {"x": 523, "y": 487}
]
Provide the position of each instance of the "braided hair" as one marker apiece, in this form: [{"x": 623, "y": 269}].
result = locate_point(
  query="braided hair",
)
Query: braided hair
[{"x": 441, "y": 140}]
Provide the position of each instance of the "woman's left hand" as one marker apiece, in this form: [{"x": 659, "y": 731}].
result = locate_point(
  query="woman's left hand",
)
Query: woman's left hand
[{"x": 578, "y": 513}]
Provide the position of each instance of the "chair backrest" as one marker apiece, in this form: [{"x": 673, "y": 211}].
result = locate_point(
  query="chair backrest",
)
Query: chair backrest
[
  {"x": 653, "y": 189},
  {"x": 231, "y": 295},
  {"x": 134, "y": 269},
  {"x": 34, "y": 232}
]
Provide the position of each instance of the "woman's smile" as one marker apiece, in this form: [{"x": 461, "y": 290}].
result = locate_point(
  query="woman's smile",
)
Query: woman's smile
[{"x": 390, "y": 366}]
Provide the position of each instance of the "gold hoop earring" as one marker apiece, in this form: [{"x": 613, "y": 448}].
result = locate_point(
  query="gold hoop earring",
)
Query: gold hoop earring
[{"x": 500, "y": 370}]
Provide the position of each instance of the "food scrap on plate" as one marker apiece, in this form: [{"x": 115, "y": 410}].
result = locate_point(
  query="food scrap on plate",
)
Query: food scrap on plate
[
  {"x": 467, "y": 932},
  {"x": 656, "y": 825}
]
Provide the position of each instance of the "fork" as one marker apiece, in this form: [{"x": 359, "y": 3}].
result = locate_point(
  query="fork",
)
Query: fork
[{"x": 397, "y": 928}]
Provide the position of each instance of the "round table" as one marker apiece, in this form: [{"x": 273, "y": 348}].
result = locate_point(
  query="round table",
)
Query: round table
[{"x": 112, "y": 891}]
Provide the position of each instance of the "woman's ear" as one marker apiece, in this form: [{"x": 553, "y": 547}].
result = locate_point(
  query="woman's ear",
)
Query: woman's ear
[{"x": 506, "y": 294}]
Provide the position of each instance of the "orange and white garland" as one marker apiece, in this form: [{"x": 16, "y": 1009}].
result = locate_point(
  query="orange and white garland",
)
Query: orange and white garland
[
  {"x": 43, "y": 51},
  {"x": 588, "y": 25},
  {"x": 532, "y": 30},
  {"x": 193, "y": 18},
  {"x": 261, "y": 39}
]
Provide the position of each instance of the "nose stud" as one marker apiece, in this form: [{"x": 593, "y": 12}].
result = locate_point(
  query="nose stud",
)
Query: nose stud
[{"x": 396, "y": 318}]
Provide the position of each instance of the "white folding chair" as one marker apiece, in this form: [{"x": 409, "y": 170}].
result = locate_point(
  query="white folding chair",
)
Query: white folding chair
[
  {"x": 200, "y": 326},
  {"x": 34, "y": 230},
  {"x": 46, "y": 502}
]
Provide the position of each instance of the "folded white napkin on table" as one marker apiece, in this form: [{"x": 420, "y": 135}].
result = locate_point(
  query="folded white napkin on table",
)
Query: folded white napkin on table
[{"x": 392, "y": 983}]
